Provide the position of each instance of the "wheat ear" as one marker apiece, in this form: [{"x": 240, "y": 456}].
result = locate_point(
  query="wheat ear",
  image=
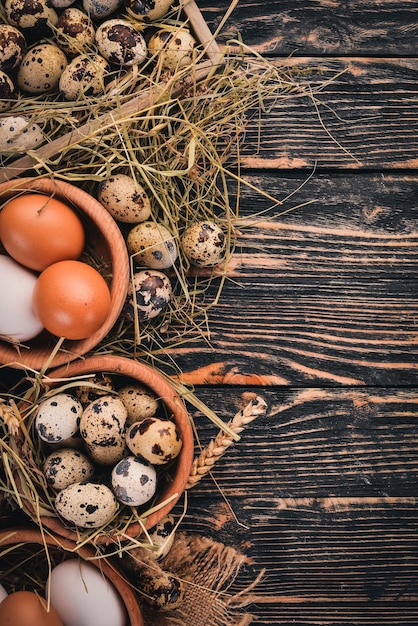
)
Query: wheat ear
[{"x": 204, "y": 463}]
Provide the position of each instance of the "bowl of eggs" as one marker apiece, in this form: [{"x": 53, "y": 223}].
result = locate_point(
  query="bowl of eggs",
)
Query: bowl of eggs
[
  {"x": 47, "y": 581},
  {"x": 108, "y": 444},
  {"x": 64, "y": 272}
]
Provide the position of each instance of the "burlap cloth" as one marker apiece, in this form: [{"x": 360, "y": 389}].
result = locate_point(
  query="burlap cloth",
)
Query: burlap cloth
[{"x": 214, "y": 596}]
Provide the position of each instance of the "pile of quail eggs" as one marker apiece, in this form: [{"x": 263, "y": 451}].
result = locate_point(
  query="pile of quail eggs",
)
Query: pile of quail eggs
[
  {"x": 103, "y": 448},
  {"x": 71, "y": 49},
  {"x": 153, "y": 247}
]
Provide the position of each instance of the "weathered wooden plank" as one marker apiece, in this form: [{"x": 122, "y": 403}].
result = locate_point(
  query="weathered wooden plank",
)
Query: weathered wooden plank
[
  {"x": 319, "y": 492},
  {"x": 337, "y": 331},
  {"x": 352, "y": 113},
  {"x": 318, "y": 443},
  {"x": 312, "y": 27}
]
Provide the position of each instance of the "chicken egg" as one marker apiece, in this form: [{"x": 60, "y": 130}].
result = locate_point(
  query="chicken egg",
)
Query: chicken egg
[
  {"x": 83, "y": 596},
  {"x": 24, "y": 608},
  {"x": 71, "y": 299},
  {"x": 38, "y": 230},
  {"x": 3, "y": 593},
  {"x": 18, "y": 321}
]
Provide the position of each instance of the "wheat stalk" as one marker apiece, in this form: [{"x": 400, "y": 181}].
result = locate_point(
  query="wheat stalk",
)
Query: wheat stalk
[{"x": 217, "y": 447}]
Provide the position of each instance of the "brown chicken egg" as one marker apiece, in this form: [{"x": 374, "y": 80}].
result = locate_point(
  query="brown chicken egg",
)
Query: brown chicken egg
[{"x": 26, "y": 608}]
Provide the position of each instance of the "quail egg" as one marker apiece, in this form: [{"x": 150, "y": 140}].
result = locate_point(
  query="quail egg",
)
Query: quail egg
[
  {"x": 18, "y": 135},
  {"x": 162, "y": 536},
  {"x": 41, "y": 68},
  {"x": 149, "y": 293},
  {"x": 65, "y": 467},
  {"x": 103, "y": 422},
  {"x": 134, "y": 481},
  {"x": 204, "y": 243},
  {"x": 84, "y": 75},
  {"x": 174, "y": 49},
  {"x": 139, "y": 400},
  {"x": 86, "y": 504},
  {"x": 58, "y": 417},
  {"x": 120, "y": 43},
  {"x": 100, "y": 385},
  {"x": 7, "y": 91},
  {"x": 62, "y": 4},
  {"x": 148, "y": 10},
  {"x": 124, "y": 198},
  {"x": 154, "y": 439},
  {"x": 12, "y": 47},
  {"x": 99, "y": 9},
  {"x": 75, "y": 32},
  {"x": 152, "y": 245},
  {"x": 35, "y": 18}
]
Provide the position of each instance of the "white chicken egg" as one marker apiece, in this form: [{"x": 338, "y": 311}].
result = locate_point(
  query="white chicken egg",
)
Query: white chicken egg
[
  {"x": 3, "y": 593},
  {"x": 18, "y": 322},
  {"x": 83, "y": 596}
]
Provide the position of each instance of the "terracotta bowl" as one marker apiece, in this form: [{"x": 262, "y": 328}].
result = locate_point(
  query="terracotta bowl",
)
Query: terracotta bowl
[
  {"x": 30, "y": 537},
  {"x": 173, "y": 480},
  {"x": 105, "y": 239}
]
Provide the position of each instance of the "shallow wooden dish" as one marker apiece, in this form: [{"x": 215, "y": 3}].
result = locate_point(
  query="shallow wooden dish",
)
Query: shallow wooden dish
[
  {"x": 105, "y": 238},
  {"x": 28, "y": 536},
  {"x": 172, "y": 487}
]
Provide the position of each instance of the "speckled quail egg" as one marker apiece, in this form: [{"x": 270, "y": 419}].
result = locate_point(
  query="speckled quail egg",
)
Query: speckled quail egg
[
  {"x": 58, "y": 417},
  {"x": 7, "y": 91},
  {"x": 99, "y": 385},
  {"x": 148, "y": 10},
  {"x": 124, "y": 198},
  {"x": 65, "y": 467},
  {"x": 41, "y": 69},
  {"x": 152, "y": 245},
  {"x": 99, "y": 9},
  {"x": 75, "y": 32},
  {"x": 18, "y": 134},
  {"x": 149, "y": 294},
  {"x": 62, "y": 4},
  {"x": 173, "y": 48},
  {"x": 35, "y": 18},
  {"x": 84, "y": 75},
  {"x": 154, "y": 439},
  {"x": 134, "y": 481},
  {"x": 139, "y": 400},
  {"x": 120, "y": 43},
  {"x": 12, "y": 47},
  {"x": 204, "y": 243},
  {"x": 162, "y": 536},
  {"x": 103, "y": 428},
  {"x": 86, "y": 504}
]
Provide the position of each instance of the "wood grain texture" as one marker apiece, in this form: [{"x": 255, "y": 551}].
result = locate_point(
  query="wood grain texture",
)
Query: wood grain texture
[
  {"x": 354, "y": 113},
  {"x": 321, "y": 492},
  {"x": 312, "y": 27},
  {"x": 326, "y": 293}
]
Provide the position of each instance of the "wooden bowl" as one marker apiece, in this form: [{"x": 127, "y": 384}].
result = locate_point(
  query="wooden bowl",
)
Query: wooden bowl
[
  {"x": 28, "y": 536},
  {"x": 172, "y": 488},
  {"x": 106, "y": 240}
]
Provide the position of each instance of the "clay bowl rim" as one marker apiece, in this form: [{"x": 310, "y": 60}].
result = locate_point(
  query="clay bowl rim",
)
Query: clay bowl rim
[
  {"x": 90, "y": 208},
  {"x": 24, "y": 534},
  {"x": 151, "y": 378}
]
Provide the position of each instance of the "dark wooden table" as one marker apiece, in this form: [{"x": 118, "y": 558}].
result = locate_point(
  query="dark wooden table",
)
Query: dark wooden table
[{"x": 320, "y": 318}]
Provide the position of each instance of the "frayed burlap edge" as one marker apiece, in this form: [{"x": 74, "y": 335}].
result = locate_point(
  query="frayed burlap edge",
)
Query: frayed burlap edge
[{"x": 212, "y": 598}]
